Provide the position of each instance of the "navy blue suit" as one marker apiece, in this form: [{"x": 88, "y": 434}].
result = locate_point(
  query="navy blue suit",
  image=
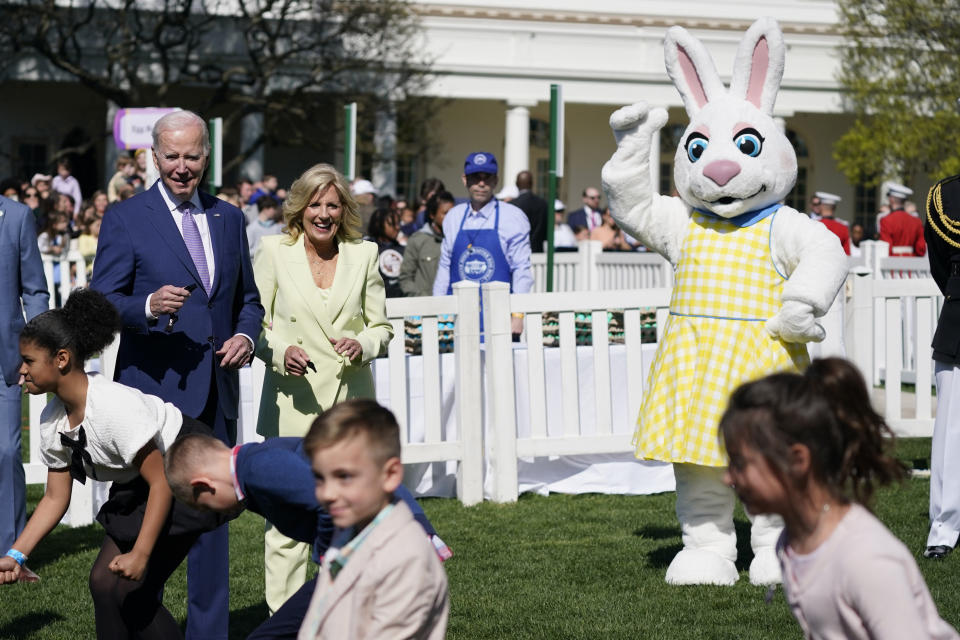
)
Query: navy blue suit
[
  {"x": 578, "y": 218},
  {"x": 140, "y": 250},
  {"x": 278, "y": 483},
  {"x": 21, "y": 279}
]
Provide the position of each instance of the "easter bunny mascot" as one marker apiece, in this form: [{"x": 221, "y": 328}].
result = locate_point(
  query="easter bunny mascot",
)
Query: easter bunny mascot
[{"x": 751, "y": 278}]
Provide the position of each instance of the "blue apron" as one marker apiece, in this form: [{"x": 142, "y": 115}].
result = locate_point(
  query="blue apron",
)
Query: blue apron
[{"x": 478, "y": 256}]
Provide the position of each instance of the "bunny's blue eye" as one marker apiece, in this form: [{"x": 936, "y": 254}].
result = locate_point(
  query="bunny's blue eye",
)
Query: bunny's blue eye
[
  {"x": 749, "y": 142},
  {"x": 696, "y": 145}
]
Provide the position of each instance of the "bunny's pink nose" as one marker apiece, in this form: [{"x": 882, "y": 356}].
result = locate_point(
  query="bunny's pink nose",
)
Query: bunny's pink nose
[{"x": 721, "y": 171}]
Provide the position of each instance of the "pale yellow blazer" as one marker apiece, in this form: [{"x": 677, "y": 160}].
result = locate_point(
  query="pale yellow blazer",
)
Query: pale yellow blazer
[{"x": 295, "y": 314}]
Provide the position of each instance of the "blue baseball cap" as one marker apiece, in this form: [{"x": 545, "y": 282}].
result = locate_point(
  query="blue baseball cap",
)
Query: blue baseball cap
[{"x": 480, "y": 162}]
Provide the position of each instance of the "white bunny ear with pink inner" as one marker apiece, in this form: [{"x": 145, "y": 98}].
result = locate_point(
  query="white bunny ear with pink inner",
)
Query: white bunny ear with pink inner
[
  {"x": 692, "y": 70},
  {"x": 758, "y": 69}
]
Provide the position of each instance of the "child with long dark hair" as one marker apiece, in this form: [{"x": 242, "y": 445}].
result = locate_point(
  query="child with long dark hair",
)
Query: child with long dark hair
[
  {"x": 384, "y": 229},
  {"x": 94, "y": 427},
  {"x": 812, "y": 449}
]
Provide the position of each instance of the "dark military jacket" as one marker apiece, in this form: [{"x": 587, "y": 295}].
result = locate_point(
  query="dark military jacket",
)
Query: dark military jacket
[{"x": 942, "y": 233}]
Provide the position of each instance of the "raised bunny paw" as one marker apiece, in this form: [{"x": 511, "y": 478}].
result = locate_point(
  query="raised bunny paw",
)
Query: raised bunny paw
[
  {"x": 635, "y": 124},
  {"x": 625, "y": 176}
]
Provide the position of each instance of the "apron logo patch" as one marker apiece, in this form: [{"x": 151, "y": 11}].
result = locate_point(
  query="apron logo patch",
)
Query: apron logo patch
[{"x": 477, "y": 264}]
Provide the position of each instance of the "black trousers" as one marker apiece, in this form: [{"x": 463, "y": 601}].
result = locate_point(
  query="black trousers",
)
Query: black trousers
[
  {"x": 285, "y": 623},
  {"x": 127, "y": 608}
]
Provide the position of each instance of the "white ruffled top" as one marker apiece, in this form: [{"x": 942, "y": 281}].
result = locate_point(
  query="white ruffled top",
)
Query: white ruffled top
[{"x": 118, "y": 421}]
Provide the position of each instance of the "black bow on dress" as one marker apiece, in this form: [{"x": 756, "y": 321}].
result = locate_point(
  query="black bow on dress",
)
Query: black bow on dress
[{"x": 78, "y": 456}]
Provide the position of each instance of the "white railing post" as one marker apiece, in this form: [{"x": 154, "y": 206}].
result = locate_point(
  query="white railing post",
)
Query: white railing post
[
  {"x": 48, "y": 267},
  {"x": 76, "y": 258},
  {"x": 880, "y": 250},
  {"x": 873, "y": 252},
  {"x": 893, "y": 365},
  {"x": 924, "y": 357},
  {"x": 592, "y": 249},
  {"x": 501, "y": 411},
  {"x": 35, "y": 471},
  {"x": 832, "y": 323},
  {"x": 582, "y": 281},
  {"x": 859, "y": 325},
  {"x": 65, "y": 287},
  {"x": 469, "y": 392},
  {"x": 538, "y": 268},
  {"x": 80, "y": 511},
  {"x": 251, "y": 388}
]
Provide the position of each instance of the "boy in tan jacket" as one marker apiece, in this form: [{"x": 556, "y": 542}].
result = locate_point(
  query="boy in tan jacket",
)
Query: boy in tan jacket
[{"x": 380, "y": 577}]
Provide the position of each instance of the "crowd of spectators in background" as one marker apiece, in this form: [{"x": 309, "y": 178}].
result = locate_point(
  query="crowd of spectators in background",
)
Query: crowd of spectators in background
[{"x": 408, "y": 232}]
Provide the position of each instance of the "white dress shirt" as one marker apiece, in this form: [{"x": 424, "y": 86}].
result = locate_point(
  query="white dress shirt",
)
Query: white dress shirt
[{"x": 200, "y": 217}]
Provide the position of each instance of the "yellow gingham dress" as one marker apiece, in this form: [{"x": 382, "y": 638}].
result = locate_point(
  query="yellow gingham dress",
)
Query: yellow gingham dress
[{"x": 726, "y": 287}]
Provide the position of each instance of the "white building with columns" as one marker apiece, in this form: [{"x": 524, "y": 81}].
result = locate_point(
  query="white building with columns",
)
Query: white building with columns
[{"x": 495, "y": 62}]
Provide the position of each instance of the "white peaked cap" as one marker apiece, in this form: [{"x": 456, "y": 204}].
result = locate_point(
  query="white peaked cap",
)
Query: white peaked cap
[
  {"x": 828, "y": 198},
  {"x": 898, "y": 190},
  {"x": 361, "y": 187}
]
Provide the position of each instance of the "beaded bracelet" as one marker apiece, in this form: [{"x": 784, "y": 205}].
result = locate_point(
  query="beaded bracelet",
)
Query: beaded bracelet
[{"x": 16, "y": 555}]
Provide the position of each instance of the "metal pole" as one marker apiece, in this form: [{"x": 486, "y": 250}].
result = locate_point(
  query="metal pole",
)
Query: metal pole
[
  {"x": 215, "y": 168},
  {"x": 556, "y": 170},
  {"x": 350, "y": 141}
]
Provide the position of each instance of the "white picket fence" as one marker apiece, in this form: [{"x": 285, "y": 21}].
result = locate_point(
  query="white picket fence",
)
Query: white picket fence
[
  {"x": 72, "y": 271},
  {"x": 486, "y": 390},
  {"x": 504, "y": 445},
  {"x": 590, "y": 268},
  {"x": 876, "y": 315},
  {"x": 432, "y": 444},
  {"x": 876, "y": 263}
]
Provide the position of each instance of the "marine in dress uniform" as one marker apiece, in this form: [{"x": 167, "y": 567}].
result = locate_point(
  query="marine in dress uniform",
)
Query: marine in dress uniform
[
  {"x": 901, "y": 230},
  {"x": 943, "y": 238},
  {"x": 840, "y": 228}
]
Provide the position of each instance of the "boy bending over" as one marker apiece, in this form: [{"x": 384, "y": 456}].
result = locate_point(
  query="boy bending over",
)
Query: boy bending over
[{"x": 273, "y": 479}]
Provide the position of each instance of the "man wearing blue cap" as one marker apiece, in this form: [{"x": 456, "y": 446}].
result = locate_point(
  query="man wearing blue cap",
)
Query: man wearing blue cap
[{"x": 484, "y": 239}]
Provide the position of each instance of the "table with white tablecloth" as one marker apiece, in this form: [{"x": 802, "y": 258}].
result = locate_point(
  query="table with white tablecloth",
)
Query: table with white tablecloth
[{"x": 607, "y": 473}]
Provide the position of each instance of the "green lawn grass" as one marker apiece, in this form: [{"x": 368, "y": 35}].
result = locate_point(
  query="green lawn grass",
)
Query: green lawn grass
[{"x": 587, "y": 566}]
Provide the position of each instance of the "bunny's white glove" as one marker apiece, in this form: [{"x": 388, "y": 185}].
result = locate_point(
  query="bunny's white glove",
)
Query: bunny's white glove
[{"x": 795, "y": 323}]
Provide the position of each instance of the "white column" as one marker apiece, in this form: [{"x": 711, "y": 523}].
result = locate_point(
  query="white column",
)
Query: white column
[
  {"x": 110, "y": 151},
  {"x": 516, "y": 151},
  {"x": 655, "y": 162},
  {"x": 384, "y": 172},
  {"x": 251, "y": 129}
]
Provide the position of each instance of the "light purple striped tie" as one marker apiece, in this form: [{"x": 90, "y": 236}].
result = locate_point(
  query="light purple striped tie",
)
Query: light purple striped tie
[{"x": 191, "y": 236}]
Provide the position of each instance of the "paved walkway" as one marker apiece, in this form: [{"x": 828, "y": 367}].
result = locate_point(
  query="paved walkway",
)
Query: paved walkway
[{"x": 908, "y": 401}]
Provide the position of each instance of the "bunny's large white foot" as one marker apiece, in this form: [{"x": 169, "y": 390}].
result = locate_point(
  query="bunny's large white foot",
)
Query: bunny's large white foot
[
  {"x": 764, "y": 532},
  {"x": 699, "y": 566},
  {"x": 765, "y": 568},
  {"x": 705, "y": 511}
]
